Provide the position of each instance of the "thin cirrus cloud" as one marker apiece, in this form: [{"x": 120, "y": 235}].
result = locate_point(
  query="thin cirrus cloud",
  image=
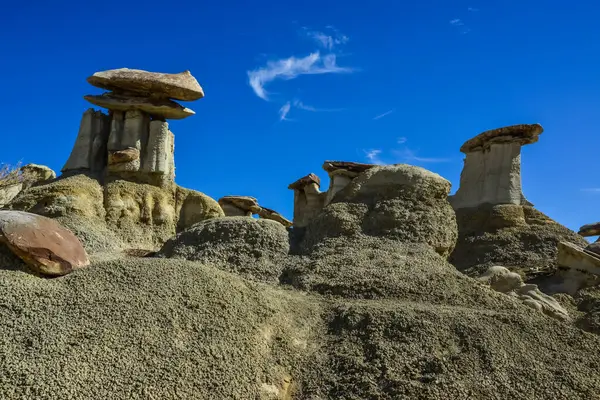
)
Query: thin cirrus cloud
[
  {"x": 327, "y": 41},
  {"x": 591, "y": 190},
  {"x": 318, "y": 62},
  {"x": 385, "y": 114},
  {"x": 403, "y": 154},
  {"x": 291, "y": 68},
  {"x": 283, "y": 111}
]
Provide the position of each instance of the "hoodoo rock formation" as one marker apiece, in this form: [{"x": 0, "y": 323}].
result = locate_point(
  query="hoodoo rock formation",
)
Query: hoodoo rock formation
[
  {"x": 119, "y": 178},
  {"x": 492, "y": 169},
  {"x": 496, "y": 225},
  {"x": 186, "y": 297}
]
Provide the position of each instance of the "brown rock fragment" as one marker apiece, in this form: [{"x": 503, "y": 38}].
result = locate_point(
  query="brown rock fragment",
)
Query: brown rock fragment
[
  {"x": 46, "y": 246},
  {"x": 590, "y": 230}
]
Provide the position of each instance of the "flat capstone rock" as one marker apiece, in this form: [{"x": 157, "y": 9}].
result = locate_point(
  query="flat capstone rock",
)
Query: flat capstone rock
[
  {"x": 523, "y": 133},
  {"x": 164, "y": 108}
]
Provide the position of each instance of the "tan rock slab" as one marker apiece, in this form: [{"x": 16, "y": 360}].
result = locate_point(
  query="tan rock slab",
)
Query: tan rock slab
[
  {"x": 45, "y": 245},
  {"x": 267, "y": 213},
  {"x": 572, "y": 256},
  {"x": 123, "y": 156},
  {"x": 181, "y": 86},
  {"x": 590, "y": 230},
  {"x": 245, "y": 203},
  {"x": 357, "y": 168},
  {"x": 160, "y": 107},
  {"x": 523, "y": 134}
]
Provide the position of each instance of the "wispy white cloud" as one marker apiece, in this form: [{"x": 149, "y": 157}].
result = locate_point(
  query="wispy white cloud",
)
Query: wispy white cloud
[
  {"x": 457, "y": 22},
  {"x": 591, "y": 190},
  {"x": 401, "y": 140},
  {"x": 408, "y": 156},
  {"x": 373, "y": 156},
  {"x": 472, "y": 9},
  {"x": 327, "y": 40},
  {"x": 301, "y": 106},
  {"x": 283, "y": 111},
  {"x": 292, "y": 67},
  {"x": 384, "y": 114}
]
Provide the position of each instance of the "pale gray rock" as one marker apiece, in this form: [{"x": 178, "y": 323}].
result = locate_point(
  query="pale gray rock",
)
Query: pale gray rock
[
  {"x": 502, "y": 280},
  {"x": 9, "y": 192},
  {"x": 163, "y": 108},
  {"x": 341, "y": 173},
  {"x": 159, "y": 157},
  {"x": 492, "y": 167},
  {"x": 181, "y": 86},
  {"x": 239, "y": 206},
  {"x": 89, "y": 151}
]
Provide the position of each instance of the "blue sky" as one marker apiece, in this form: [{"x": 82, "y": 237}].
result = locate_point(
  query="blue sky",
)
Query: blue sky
[{"x": 291, "y": 84}]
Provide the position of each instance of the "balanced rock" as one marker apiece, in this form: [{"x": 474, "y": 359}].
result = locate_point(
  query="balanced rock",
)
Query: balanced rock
[
  {"x": 181, "y": 86},
  {"x": 273, "y": 215},
  {"x": 46, "y": 246},
  {"x": 492, "y": 167},
  {"x": 157, "y": 107},
  {"x": 308, "y": 199}
]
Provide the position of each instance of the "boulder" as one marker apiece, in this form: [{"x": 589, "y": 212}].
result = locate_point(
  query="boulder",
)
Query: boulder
[
  {"x": 9, "y": 192},
  {"x": 180, "y": 86},
  {"x": 157, "y": 107},
  {"x": 47, "y": 247},
  {"x": 34, "y": 174},
  {"x": 594, "y": 247},
  {"x": 238, "y": 206},
  {"x": 273, "y": 215}
]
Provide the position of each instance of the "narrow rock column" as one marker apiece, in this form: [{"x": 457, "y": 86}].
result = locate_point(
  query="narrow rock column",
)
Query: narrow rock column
[
  {"x": 89, "y": 151},
  {"x": 159, "y": 158},
  {"x": 492, "y": 167},
  {"x": 308, "y": 199}
]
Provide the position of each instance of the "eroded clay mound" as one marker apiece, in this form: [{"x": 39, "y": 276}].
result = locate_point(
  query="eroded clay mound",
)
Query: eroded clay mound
[
  {"x": 518, "y": 237},
  {"x": 117, "y": 214},
  {"x": 253, "y": 248},
  {"x": 400, "y": 202}
]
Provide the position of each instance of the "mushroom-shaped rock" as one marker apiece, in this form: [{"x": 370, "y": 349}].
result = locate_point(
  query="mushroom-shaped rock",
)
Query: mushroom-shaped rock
[
  {"x": 590, "y": 230},
  {"x": 308, "y": 199},
  {"x": 46, "y": 246},
  {"x": 341, "y": 174},
  {"x": 237, "y": 206},
  {"x": 157, "y": 107},
  {"x": 522, "y": 134},
  {"x": 273, "y": 215},
  {"x": 492, "y": 167},
  {"x": 181, "y": 86}
]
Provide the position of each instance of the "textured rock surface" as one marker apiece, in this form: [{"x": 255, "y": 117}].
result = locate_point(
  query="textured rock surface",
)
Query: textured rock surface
[
  {"x": 118, "y": 213},
  {"x": 397, "y": 320},
  {"x": 253, "y": 248},
  {"x": 239, "y": 206},
  {"x": 520, "y": 238},
  {"x": 89, "y": 151},
  {"x": 273, "y": 215},
  {"x": 156, "y": 107},
  {"x": 9, "y": 192},
  {"x": 34, "y": 174},
  {"x": 46, "y": 246},
  {"x": 181, "y": 86},
  {"x": 492, "y": 167}
]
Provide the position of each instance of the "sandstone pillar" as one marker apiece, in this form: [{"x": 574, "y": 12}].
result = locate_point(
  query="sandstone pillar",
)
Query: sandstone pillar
[
  {"x": 308, "y": 199},
  {"x": 492, "y": 167},
  {"x": 158, "y": 157},
  {"x": 89, "y": 151}
]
